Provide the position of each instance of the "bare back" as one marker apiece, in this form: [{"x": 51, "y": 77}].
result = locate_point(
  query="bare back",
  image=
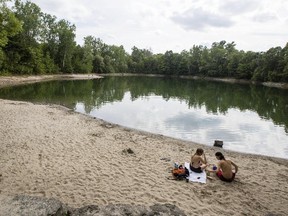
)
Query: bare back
[
  {"x": 226, "y": 167},
  {"x": 196, "y": 161}
]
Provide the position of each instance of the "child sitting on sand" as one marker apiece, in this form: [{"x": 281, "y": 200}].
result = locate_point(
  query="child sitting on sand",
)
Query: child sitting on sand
[
  {"x": 198, "y": 164},
  {"x": 224, "y": 169}
]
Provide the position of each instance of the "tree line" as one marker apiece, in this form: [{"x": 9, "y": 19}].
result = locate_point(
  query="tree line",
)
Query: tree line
[{"x": 33, "y": 42}]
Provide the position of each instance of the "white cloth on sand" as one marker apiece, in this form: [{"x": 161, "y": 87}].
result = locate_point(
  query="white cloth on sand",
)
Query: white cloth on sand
[{"x": 196, "y": 177}]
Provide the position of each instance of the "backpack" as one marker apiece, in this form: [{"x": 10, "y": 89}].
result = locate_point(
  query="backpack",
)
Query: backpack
[{"x": 180, "y": 173}]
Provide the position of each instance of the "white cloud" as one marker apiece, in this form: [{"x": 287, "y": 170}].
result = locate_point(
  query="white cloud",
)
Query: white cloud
[
  {"x": 264, "y": 17},
  {"x": 234, "y": 7},
  {"x": 176, "y": 24},
  {"x": 199, "y": 19}
]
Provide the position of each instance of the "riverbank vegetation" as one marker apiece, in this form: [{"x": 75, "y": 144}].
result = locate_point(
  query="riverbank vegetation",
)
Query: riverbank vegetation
[{"x": 33, "y": 42}]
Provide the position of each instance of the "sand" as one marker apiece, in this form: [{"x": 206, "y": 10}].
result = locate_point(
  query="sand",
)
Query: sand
[
  {"x": 20, "y": 80},
  {"x": 51, "y": 151}
]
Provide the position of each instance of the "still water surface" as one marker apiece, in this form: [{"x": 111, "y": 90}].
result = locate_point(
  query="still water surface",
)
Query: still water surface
[{"x": 247, "y": 118}]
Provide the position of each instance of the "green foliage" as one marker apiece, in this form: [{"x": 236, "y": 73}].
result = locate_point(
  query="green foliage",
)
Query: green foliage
[
  {"x": 29, "y": 15},
  {"x": 77, "y": 61},
  {"x": 10, "y": 25},
  {"x": 66, "y": 34},
  {"x": 49, "y": 65},
  {"x": 140, "y": 60},
  {"x": 32, "y": 42}
]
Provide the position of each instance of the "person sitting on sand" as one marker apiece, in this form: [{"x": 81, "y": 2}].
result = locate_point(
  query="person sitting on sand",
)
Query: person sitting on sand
[
  {"x": 224, "y": 169},
  {"x": 198, "y": 164}
]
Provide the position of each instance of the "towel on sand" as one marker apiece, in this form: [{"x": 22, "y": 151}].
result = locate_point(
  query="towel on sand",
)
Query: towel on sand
[{"x": 196, "y": 177}]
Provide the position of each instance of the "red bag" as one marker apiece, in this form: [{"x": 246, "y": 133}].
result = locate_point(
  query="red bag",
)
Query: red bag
[{"x": 180, "y": 173}]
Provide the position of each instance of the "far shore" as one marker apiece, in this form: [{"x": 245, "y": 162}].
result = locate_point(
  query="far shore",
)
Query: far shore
[
  {"x": 228, "y": 80},
  {"x": 52, "y": 151},
  {"x": 26, "y": 79}
]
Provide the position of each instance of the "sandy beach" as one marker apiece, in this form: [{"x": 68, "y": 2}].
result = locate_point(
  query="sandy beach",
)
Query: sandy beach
[{"x": 51, "y": 151}]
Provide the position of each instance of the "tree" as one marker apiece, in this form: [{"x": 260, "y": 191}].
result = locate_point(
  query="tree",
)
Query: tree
[
  {"x": 77, "y": 61},
  {"x": 205, "y": 60},
  {"x": 119, "y": 59},
  {"x": 195, "y": 54},
  {"x": 284, "y": 64},
  {"x": 66, "y": 35},
  {"x": 185, "y": 63},
  {"x": 23, "y": 51},
  {"x": 10, "y": 26},
  {"x": 49, "y": 42},
  {"x": 273, "y": 64},
  {"x": 233, "y": 58},
  {"x": 246, "y": 65},
  {"x": 83, "y": 57},
  {"x": 30, "y": 16},
  {"x": 98, "y": 64},
  {"x": 218, "y": 63}
]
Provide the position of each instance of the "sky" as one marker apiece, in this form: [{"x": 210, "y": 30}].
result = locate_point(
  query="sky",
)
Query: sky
[{"x": 177, "y": 25}]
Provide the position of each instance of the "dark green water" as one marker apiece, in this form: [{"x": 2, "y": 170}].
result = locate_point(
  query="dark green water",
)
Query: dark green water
[{"x": 248, "y": 118}]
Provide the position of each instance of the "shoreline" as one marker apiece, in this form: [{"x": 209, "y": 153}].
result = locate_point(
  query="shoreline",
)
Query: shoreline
[
  {"x": 6, "y": 81},
  {"x": 214, "y": 79},
  {"x": 51, "y": 151}
]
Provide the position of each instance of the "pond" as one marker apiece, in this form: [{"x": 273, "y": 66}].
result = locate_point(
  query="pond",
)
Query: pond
[{"x": 247, "y": 118}]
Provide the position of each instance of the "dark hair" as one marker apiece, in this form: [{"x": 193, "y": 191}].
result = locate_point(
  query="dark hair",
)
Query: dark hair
[
  {"x": 199, "y": 151},
  {"x": 220, "y": 155}
]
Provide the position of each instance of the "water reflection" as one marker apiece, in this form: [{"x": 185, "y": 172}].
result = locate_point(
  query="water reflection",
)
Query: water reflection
[
  {"x": 241, "y": 131},
  {"x": 248, "y": 118}
]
